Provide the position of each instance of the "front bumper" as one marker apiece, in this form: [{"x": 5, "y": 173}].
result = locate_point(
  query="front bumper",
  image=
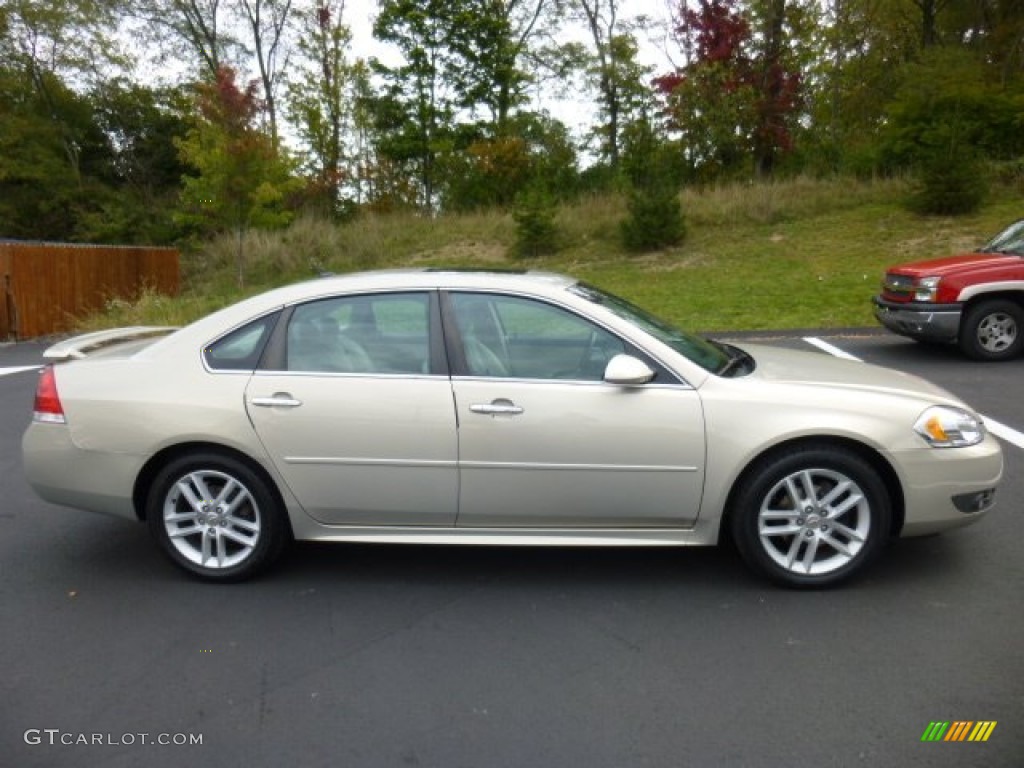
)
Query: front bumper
[
  {"x": 929, "y": 322},
  {"x": 948, "y": 488}
]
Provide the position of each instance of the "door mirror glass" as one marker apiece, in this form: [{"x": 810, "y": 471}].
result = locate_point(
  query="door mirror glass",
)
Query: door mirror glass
[{"x": 627, "y": 371}]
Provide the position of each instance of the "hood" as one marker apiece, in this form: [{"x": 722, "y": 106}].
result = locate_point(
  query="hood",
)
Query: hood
[
  {"x": 814, "y": 369},
  {"x": 974, "y": 263}
]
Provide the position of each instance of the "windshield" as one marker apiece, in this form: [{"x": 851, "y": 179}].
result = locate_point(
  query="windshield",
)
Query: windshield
[
  {"x": 709, "y": 356},
  {"x": 1010, "y": 240}
]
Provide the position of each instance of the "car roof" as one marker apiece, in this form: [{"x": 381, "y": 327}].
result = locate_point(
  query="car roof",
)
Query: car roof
[
  {"x": 419, "y": 279},
  {"x": 530, "y": 282},
  {"x": 443, "y": 277}
]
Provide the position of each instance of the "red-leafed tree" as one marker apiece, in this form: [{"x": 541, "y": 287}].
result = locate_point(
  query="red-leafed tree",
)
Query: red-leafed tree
[
  {"x": 737, "y": 96},
  {"x": 778, "y": 90}
]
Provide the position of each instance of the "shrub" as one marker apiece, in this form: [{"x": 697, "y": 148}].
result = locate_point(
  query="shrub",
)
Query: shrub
[
  {"x": 534, "y": 214},
  {"x": 655, "y": 219},
  {"x": 949, "y": 184}
]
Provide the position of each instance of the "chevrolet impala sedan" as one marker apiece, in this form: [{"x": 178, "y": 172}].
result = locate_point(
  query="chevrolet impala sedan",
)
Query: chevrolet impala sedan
[{"x": 462, "y": 407}]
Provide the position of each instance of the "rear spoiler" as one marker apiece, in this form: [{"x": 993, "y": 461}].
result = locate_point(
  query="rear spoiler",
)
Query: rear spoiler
[{"x": 78, "y": 347}]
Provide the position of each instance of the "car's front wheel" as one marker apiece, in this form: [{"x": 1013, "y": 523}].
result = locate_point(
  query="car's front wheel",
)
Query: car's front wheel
[
  {"x": 215, "y": 517},
  {"x": 811, "y": 516},
  {"x": 993, "y": 330}
]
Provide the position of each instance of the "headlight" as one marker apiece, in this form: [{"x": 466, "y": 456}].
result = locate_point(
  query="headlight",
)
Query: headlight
[
  {"x": 926, "y": 288},
  {"x": 943, "y": 426}
]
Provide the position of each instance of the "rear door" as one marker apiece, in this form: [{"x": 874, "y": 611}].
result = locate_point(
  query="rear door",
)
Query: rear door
[{"x": 356, "y": 411}]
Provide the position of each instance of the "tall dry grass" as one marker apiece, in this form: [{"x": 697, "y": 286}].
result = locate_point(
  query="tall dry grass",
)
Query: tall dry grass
[{"x": 824, "y": 226}]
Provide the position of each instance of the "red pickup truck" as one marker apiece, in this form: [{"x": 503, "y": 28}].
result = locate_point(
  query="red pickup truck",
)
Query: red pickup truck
[{"x": 975, "y": 300}]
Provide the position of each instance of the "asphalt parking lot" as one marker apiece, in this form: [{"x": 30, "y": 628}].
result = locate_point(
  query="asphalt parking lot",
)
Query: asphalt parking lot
[{"x": 479, "y": 657}]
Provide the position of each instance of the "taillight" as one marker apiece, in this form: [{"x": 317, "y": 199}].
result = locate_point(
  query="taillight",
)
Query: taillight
[{"x": 47, "y": 408}]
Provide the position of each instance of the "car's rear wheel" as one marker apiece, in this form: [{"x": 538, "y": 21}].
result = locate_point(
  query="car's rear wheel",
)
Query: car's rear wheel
[
  {"x": 215, "y": 517},
  {"x": 812, "y": 516},
  {"x": 993, "y": 330}
]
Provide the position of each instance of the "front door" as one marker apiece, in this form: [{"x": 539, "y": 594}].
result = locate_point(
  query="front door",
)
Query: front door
[{"x": 545, "y": 442}]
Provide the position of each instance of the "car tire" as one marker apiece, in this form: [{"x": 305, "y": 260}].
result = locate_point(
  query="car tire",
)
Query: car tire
[
  {"x": 993, "y": 330},
  {"x": 216, "y": 517},
  {"x": 811, "y": 516}
]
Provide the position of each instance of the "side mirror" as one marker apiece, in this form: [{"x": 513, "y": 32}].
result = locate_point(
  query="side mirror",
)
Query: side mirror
[{"x": 627, "y": 371}]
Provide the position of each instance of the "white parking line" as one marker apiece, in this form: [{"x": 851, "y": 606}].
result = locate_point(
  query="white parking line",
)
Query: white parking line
[
  {"x": 1004, "y": 432},
  {"x": 1000, "y": 430},
  {"x": 824, "y": 346},
  {"x": 9, "y": 371}
]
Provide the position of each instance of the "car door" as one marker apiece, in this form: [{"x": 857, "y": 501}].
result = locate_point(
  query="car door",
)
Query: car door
[
  {"x": 354, "y": 406},
  {"x": 545, "y": 442}
]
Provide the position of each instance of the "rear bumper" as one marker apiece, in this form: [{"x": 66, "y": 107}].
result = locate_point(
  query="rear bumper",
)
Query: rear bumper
[
  {"x": 929, "y": 322},
  {"x": 62, "y": 473}
]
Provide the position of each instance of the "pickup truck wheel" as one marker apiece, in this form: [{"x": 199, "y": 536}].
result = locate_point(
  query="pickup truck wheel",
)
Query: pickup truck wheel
[{"x": 993, "y": 330}]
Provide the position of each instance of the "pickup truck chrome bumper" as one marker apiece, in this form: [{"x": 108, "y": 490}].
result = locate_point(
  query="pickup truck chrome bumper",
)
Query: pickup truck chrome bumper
[{"x": 930, "y": 322}]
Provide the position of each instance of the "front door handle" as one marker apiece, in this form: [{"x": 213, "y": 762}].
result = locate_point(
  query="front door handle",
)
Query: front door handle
[
  {"x": 277, "y": 400},
  {"x": 499, "y": 407}
]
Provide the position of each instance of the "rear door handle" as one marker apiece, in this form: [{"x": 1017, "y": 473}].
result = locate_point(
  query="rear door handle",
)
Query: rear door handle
[
  {"x": 497, "y": 408},
  {"x": 277, "y": 400}
]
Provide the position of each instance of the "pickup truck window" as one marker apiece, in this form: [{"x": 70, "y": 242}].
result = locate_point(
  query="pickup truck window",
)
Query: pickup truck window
[{"x": 1010, "y": 241}]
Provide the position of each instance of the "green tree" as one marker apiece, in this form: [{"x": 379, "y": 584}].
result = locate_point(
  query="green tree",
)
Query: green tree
[
  {"x": 415, "y": 111},
  {"x": 449, "y": 112},
  {"x": 534, "y": 214},
  {"x": 864, "y": 45},
  {"x": 612, "y": 68},
  {"x": 655, "y": 218},
  {"x": 268, "y": 22},
  {"x": 192, "y": 30},
  {"x": 322, "y": 103},
  {"x": 534, "y": 150},
  {"x": 241, "y": 181},
  {"x": 51, "y": 42},
  {"x": 491, "y": 39},
  {"x": 946, "y": 119},
  {"x": 38, "y": 186},
  {"x": 144, "y": 168},
  {"x": 948, "y": 99},
  {"x": 930, "y": 10}
]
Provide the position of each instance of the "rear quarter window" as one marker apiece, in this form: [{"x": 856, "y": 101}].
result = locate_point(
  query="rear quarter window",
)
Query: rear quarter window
[{"x": 241, "y": 349}]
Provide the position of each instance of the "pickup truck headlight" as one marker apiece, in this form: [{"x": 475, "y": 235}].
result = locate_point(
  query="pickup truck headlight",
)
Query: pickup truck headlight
[
  {"x": 943, "y": 426},
  {"x": 926, "y": 288}
]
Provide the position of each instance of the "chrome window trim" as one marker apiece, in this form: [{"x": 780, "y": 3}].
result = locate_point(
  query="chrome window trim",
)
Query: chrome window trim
[
  {"x": 681, "y": 381},
  {"x": 216, "y": 339},
  {"x": 344, "y": 375},
  {"x": 573, "y": 382},
  {"x": 432, "y": 296}
]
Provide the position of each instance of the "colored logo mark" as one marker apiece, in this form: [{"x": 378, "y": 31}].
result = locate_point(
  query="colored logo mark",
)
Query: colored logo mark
[{"x": 959, "y": 730}]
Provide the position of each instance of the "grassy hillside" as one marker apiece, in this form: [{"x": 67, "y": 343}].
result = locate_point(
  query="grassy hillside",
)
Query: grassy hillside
[{"x": 799, "y": 254}]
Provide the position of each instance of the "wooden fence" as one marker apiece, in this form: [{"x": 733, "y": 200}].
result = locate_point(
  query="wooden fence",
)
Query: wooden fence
[{"x": 47, "y": 285}]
